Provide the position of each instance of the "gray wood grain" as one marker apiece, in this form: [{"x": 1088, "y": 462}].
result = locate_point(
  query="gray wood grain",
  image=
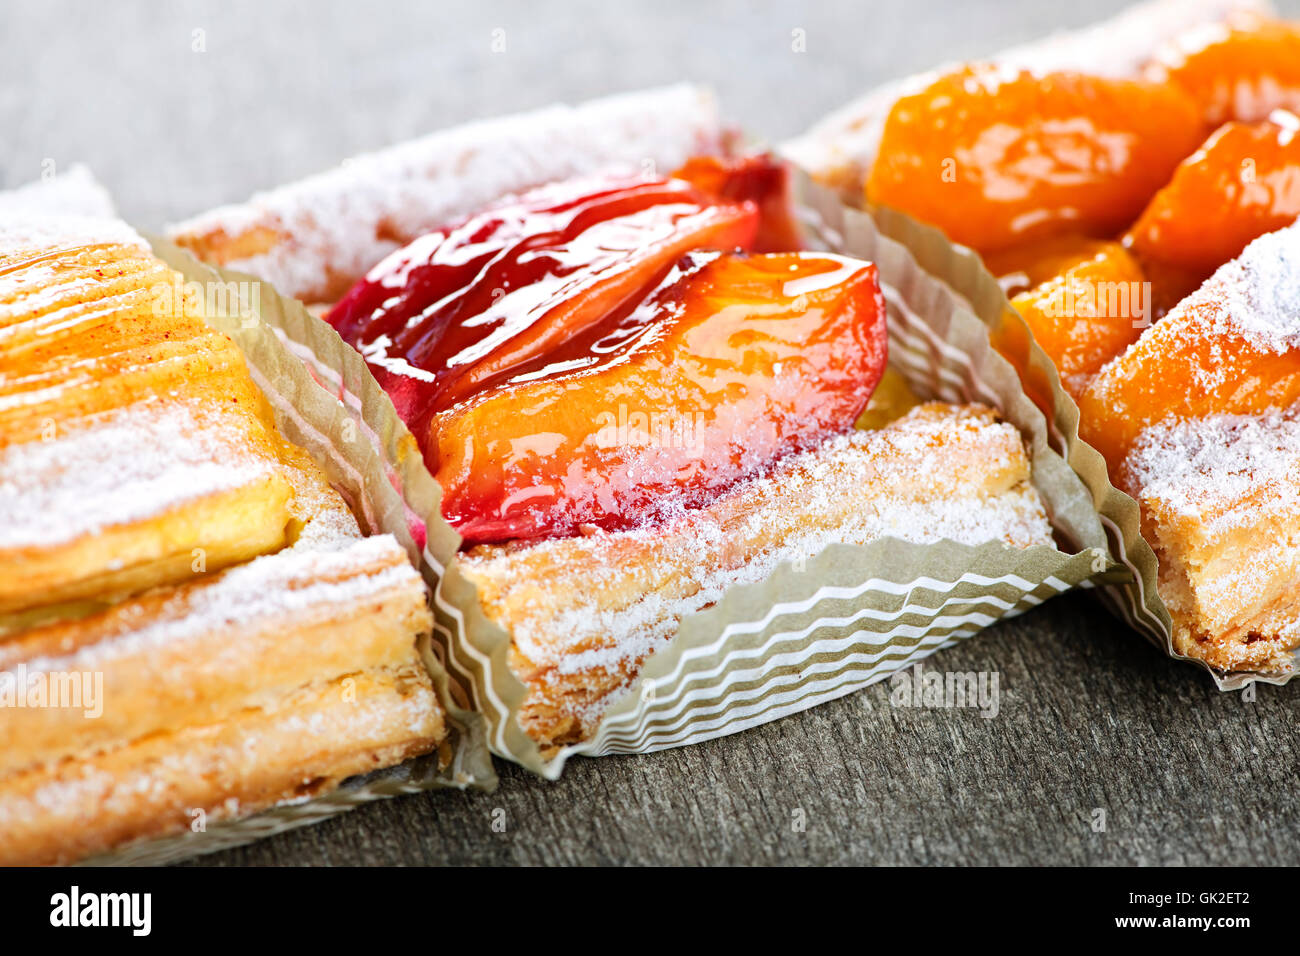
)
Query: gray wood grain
[{"x": 1091, "y": 717}]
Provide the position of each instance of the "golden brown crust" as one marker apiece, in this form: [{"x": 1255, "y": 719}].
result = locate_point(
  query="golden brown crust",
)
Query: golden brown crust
[
  {"x": 135, "y": 448},
  {"x": 293, "y": 746},
  {"x": 585, "y": 612},
  {"x": 189, "y": 655},
  {"x": 1220, "y": 506},
  {"x": 139, "y": 681}
]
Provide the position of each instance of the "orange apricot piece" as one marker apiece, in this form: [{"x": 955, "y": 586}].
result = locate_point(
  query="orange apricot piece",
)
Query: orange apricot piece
[{"x": 995, "y": 157}]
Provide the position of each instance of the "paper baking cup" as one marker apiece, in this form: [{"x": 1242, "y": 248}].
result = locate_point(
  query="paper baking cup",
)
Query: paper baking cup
[
  {"x": 314, "y": 421},
  {"x": 850, "y": 617},
  {"x": 1132, "y": 594}
]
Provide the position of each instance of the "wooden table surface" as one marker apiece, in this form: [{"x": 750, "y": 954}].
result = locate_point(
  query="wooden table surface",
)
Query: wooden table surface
[{"x": 180, "y": 106}]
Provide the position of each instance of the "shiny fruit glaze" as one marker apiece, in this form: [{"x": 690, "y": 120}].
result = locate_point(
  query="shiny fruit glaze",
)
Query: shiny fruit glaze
[
  {"x": 1088, "y": 312},
  {"x": 446, "y": 315},
  {"x": 1244, "y": 182},
  {"x": 1021, "y": 268},
  {"x": 761, "y": 180},
  {"x": 1241, "y": 70},
  {"x": 732, "y": 362},
  {"x": 995, "y": 157}
]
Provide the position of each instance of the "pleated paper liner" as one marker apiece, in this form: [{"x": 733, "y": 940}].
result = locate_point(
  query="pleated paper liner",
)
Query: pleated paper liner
[
  {"x": 313, "y": 420},
  {"x": 1132, "y": 596},
  {"x": 849, "y": 617}
]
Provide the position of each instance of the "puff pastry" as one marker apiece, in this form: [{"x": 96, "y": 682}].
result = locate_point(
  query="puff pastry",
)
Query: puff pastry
[
  {"x": 315, "y": 238},
  {"x": 1198, "y": 420},
  {"x": 1219, "y": 505},
  {"x": 191, "y": 623},
  {"x": 586, "y": 606},
  {"x": 131, "y": 443},
  {"x": 585, "y": 612}
]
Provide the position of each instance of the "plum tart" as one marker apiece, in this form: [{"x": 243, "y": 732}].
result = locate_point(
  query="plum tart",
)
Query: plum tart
[{"x": 636, "y": 390}]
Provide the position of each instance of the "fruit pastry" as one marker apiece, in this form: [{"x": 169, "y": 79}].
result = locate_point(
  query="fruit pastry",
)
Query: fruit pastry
[
  {"x": 1138, "y": 213},
  {"x": 636, "y": 391},
  {"x": 192, "y": 625},
  {"x": 1102, "y": 175},
  {"x": 315, "y": 238},
  {"x": 1198, "y": 422}
]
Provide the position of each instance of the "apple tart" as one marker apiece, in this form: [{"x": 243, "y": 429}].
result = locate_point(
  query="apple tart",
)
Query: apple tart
[{"x": 192, "y": 625}]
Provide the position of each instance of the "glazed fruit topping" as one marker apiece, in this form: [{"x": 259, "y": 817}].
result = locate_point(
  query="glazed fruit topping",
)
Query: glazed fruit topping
[
  {"x": 1232, "y": 347},
  {"x": 731, "y": 363},
  {"x": 574, "y": 358},
  {"x": 1242, "y": 183},
  {"x": 1239, "y": 70},
  {"x": 1085, "y": 300},
  {"x": 997, "y": 157},
  {"x": 756, "y": 179},
  {"x": 456, "y": 308}
]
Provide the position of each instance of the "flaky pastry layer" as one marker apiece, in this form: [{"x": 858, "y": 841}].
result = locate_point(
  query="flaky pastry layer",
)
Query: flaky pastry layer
[
  {"x": 135, "y": 449},
  {"x": 1220, "y": 502},
  {"x": 585, "y": 612},
  {"x": 315, "y": 238},
  {"x": 193, "y": 654},
  {"x": 192, "y": 625},
  {"x": 293, "y": 746}
]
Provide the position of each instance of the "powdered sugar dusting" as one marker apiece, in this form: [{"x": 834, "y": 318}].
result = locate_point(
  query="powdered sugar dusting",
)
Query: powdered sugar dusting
[
  {"x": 276, "y": 754},
  {"x": 1220, "y": 499},
  {"x": 67, "y": 210},
  {"x": 939, "y": 473},
  {"x": 73, "y": 193},
  {"x": 121, "y": 467},
  {"x": 267, "y": 591},
  {"x": 647, "y": 625},
  {"x": 1257, "y": 295},
  {"x": 1219, "y": 467},
  {"x": 342, "y": 222},
  {"x": 28, "y": 232}
]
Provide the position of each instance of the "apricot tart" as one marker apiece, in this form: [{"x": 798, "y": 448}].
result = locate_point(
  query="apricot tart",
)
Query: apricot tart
[
  {"x": 232, "y": 638},
  {"x": 1197, "y": 422},
  {"x": 1140, "y": 215},
  {"x": 637, "y": 391}
]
